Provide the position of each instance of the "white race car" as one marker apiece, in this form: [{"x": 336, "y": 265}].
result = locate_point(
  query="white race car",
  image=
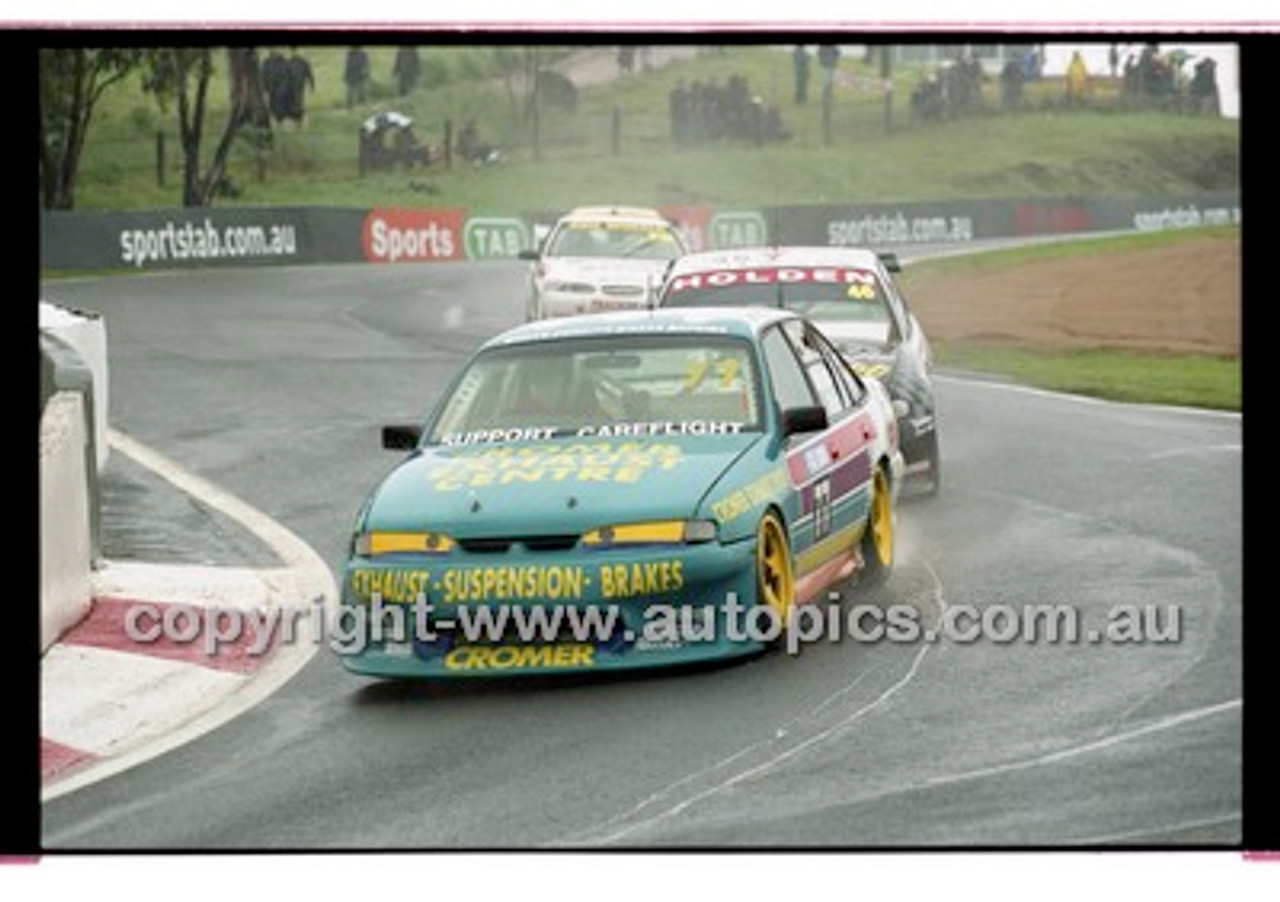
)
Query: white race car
[{"x": 601, "y": 258}]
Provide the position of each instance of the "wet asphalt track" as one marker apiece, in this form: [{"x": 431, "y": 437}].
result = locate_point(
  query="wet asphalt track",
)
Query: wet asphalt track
[{"x": 273, "y": 383}]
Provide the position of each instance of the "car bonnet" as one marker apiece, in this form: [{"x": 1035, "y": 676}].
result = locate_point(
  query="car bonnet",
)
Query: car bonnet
[{"x": 559, "y": 486}]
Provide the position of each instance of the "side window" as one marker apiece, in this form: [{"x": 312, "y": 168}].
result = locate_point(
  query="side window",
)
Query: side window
[
  {"x": 847, "y": 380},
  {"x": 789, "y": 384},
  {"x": 816, "y": 367}
]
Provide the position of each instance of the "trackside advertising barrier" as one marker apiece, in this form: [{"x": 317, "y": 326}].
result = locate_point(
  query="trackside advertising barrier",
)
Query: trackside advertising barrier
[{"x": 184, "y": 238}]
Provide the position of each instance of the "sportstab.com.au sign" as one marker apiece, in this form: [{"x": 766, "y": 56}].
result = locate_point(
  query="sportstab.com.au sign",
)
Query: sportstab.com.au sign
[{"x": 177, "y": 242}]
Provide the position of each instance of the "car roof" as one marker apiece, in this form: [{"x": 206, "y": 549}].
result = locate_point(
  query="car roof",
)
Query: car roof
[
  {"x": 613, "y": 213},
  {"x": 784, "y": 255},
  {"x": 745, "y": 322}
]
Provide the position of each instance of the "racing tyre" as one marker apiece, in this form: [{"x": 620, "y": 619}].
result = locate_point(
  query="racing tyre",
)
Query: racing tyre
[
  {"x": 775, "y": 571},
  {"x": 878, "y": 538}
]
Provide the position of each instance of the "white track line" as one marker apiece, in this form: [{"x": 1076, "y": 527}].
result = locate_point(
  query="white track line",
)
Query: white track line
[
  {"x": 306, "y": 579},
  {"x": 1169, "y": 722},
  {"x": 1017, "y": 388},
  {"x": 779, "y": 758}
]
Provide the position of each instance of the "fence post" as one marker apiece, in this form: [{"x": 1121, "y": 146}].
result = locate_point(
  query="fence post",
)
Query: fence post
[
  {"x": 160, "y": 159},
  {"x": 448, "y": 144}
]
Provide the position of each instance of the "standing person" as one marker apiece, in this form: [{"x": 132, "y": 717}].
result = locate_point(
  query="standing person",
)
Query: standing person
[
  {"x": 800, "y": 60},
  {"x": 1011, "y": 77},
  {"x": 275, "y": 81},
  {"x": 626, "y": 59},
  {"x": 1204, "y": 89},
  {"x": 299, "y": 78},
  {"x": 1077, "y": 80},
  {"x": 406, "y": 68},
  {"x": 356, "y": 75}
]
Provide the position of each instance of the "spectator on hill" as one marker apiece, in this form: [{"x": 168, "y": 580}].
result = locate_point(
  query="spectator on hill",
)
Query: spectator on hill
[
  {"x": 406, "y": 68},
  {"x": 1204, "y": 89},
  {"x": 626, "y": 59},
  {"x": 1077, "y": 80},
  {"x": 301, "y": 78},
  {"x": 275, "y": 81},
  {"x": 286, "y": 82},
  {"x": 1011, "y": 79},
  {"x": 356, "y": 75}
]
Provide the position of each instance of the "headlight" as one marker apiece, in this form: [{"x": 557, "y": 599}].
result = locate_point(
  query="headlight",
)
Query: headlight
[
  {"x": 372, "y": 544},
  {"x": 656, "y": 532}
]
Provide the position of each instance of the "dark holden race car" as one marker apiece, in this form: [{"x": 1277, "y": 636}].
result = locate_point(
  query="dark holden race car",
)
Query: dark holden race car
[{"x": 851, "y": 294}]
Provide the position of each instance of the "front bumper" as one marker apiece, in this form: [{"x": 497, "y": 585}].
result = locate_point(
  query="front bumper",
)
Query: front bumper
[
  {"x": 555, "y": 305},
  {"x": 473, "y": 615}
]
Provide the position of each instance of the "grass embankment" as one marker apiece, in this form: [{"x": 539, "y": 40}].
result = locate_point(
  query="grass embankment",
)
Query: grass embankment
[
  {"x": 1190, "y": 380},
  {"x": 1181, "y": 380},
  {"x": 564, "y": 157}
]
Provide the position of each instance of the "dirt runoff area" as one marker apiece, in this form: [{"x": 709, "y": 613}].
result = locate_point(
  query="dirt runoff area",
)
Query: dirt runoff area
[{"x": 1183, "y": 298}]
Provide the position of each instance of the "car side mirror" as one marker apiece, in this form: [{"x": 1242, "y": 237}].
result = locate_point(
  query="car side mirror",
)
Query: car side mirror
[
  {"x": 401, "y": 438},
  {"x": 528, "y": 254},
  {"x": 803, "y": 419},
  {"x": 890, "y": 261}
]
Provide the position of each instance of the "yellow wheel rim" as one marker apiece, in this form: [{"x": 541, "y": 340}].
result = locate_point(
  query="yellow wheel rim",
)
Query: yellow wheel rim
[
  {"x": 882, "y": 519},
  {"x": 773, "y": 556}
]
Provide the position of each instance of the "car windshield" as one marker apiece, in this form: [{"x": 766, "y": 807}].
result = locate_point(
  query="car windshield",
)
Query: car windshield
[
  {"x": 644, "y": 241},
  {"x": 618, "y": 386},
  {"x": 821, "y": 293}
]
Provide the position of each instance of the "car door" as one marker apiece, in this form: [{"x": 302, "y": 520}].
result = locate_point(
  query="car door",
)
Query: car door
[
  {"x": 913, "y": 339},
  {"x": 830, "y": 468}
]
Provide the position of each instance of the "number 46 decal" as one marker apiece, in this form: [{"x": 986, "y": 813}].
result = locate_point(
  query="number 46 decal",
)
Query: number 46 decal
[{"x": 821, "y": 509}]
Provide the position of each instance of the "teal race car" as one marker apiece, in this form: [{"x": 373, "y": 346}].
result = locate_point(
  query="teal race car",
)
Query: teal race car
[{"x": 622, "y": 490}]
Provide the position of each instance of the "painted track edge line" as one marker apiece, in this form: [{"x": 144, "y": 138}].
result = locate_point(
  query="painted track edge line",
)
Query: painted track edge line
[
  {"x": 311, "y": 574},
  {"x": 1019, "y": 388}
]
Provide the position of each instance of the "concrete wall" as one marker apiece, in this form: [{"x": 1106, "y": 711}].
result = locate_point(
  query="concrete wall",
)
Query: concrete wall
[
  {"x": 65, "y": 556},
  {"x": 86, "y": 334},
  {"x": 73, "y": 450}
]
